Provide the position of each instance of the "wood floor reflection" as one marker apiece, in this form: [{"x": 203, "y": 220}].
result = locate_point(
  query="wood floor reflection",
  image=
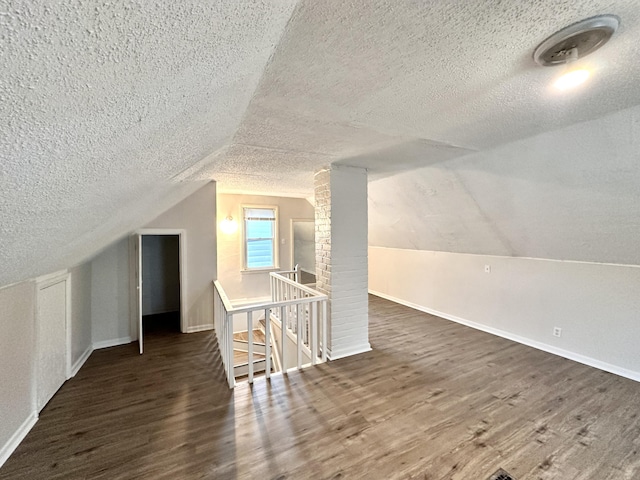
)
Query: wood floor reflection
[{"x": 433, "y": 400}]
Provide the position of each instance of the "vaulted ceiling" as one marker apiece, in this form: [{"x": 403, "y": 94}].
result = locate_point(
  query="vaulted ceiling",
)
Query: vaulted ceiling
[{"x": 111, "y": 113}]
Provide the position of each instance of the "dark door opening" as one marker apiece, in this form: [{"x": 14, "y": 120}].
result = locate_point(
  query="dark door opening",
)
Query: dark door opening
[{"x": 160, "y": 284}]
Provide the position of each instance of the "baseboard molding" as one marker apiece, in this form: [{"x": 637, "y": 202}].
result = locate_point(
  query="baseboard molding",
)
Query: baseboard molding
[
  {"x": 576, "y": 357},
  {"x": 347, "y": 352},
  {"x": 80, "y": 362},
  {"x": 199, "y": 328},
  {"x": 112, "y": 343},
  {"x": 9, "y": 447}
]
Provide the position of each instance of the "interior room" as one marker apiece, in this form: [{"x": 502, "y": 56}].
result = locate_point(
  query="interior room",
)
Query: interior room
[{"x": 298, "y": 239}]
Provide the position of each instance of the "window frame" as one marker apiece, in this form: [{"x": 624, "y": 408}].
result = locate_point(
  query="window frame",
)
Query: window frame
[{"x": 275, "y": 239}]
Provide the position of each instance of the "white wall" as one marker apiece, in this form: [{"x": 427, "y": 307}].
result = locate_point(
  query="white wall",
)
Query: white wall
[
  {"x": 341, "y": 256},
  {"x": 81, "y": 341},
  {"x": 304, "y": 250},
  {"x": 240, "y": 285},
  {"x": 110, "y": 296},
  {"x": 17, "y": 356},
  {"x": 568, "y": 194},
  {"x": 197, "y": 216},
  {"x": 596, "y": 305}
]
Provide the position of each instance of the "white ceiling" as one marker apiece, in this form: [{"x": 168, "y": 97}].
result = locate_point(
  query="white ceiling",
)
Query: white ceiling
[{"x": 110, "y": 113}]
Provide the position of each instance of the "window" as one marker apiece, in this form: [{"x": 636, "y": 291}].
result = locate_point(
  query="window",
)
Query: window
[{"x": 260, "y": 237}]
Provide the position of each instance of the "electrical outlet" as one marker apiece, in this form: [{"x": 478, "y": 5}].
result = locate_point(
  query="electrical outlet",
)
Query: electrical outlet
[
  {"x": 557, "y": 331},
  {"x": 487, "y": 269}
]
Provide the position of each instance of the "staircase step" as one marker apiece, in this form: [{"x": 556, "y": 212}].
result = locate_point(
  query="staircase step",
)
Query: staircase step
[{"x": 258, "y": 336}]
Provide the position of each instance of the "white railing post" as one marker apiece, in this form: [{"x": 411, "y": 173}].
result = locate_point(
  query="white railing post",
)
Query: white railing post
[
  {"x": 314, "y": 333},
  {"x": 298, "y": 337},
  {"x": 267, "y": 341},
  {"x": 228, "y": 328},
  {"x": 283, "y": 344},
  {"x": 302, "y": 313},
  {"x": 250, "y": 337},
  {"x": 325, "y": 326}
]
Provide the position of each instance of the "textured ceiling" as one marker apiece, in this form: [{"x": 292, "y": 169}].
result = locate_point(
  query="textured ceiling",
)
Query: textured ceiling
[
  {"x": 103, "y": 104},
  {"x": 111, "y": 112}
]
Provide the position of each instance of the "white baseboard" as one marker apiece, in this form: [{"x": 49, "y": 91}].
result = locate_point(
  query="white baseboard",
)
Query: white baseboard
[
  {"x": 199, "y": 328},
  {"x": 347, "y": 352},
  {"x": 11, "y": 445},
  {"x": 576, "y": 357},
  {"x": 111, "y": 343},
  {"x": 83, "y": 358}
]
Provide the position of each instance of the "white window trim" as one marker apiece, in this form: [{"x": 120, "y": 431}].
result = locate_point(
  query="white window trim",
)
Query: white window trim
[{"x": 276, "y": 240}]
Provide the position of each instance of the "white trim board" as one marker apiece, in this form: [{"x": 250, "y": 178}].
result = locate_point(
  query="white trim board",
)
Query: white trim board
[
  {"x": 18, "y": 436},
  {"x": 199, "y": 328},
  {"x": 80, "y": 362},
  {"x": 576, "y": 357},
  {"x": 111, "y": 343},
  {"x": 347, "y": 352}
]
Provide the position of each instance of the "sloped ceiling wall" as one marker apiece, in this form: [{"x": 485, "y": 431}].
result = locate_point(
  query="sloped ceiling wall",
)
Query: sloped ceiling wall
[
  {"x": 112, "y": 112},
  {"x": 104, "y": 104},
  {"x": 570, "y": 194}
]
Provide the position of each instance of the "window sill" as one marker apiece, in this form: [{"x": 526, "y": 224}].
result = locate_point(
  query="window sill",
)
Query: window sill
[{"x": 259, "y": 270}]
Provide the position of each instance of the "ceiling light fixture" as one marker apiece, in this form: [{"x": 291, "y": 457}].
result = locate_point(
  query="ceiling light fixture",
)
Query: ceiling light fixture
[{"x": 571, "y": 43}]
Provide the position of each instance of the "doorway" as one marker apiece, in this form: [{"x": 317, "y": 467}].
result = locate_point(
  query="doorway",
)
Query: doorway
[
  {"x": 303, "y": 249},
  {"x": 159, "y": 300},
  {"x": 161, "y": 283}
]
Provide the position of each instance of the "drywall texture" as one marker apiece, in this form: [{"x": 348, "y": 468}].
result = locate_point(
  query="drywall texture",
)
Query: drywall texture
[
  {"x": 105, "y": 105},
  {"x": 196, "y": 215},
  {"x": 571, "y": 194},
  {"x": 160, "y": 274},
  {"x": 595, "y": 305},
  {"x": 240, "y": 285},
  {"x": 81, "y": 341},
  {"x": 112, "y": 113},
  {"x": 341, "y": 256},
  {"x": 396, "y": 85},
  {"x": 110, "y": 295},
  {"x": 17, "y": 358}
]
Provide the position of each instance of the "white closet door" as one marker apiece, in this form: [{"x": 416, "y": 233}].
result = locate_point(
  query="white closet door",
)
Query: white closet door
[{"x": 51, "y": 337}]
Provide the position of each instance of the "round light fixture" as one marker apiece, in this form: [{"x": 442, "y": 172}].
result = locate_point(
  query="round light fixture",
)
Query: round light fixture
[
  {"x": 576, "y": 41},
  {"x": 572, "y": 79}
]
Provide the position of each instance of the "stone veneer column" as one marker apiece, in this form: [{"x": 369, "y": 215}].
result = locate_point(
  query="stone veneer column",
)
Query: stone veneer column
[{"x": 341, "y": 256}]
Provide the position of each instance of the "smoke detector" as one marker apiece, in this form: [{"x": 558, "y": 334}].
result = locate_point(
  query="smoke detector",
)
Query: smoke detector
[{"x": 576, "y": 41}]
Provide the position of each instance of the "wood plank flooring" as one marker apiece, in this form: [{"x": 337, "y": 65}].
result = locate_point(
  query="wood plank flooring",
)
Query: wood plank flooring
[{"x": 434, "y": 400}]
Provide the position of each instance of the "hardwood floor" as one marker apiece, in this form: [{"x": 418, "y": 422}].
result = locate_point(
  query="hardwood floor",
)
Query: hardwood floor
[{"x": 433, "y": 400}]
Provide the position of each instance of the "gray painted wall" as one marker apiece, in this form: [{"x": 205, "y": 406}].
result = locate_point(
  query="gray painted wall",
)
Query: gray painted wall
[
  {"x": 17, "y": 356},
  {"x": 18, "y": 350},
  {"x": 197, "y": 216},
  {"x": 569, "y": 194},
  {"x": 110, "y": 295},
  {"x": 596, "y": 305},
  {"x": 81, "y": 340},
  {"x": 304, "y": 250}
]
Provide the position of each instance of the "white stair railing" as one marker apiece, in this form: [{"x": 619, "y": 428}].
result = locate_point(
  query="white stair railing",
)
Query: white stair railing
[{"x": 299, "y": 311}]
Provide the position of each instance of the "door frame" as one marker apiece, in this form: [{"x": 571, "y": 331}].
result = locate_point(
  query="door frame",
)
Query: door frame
[
  {"x": 182, "y": 263},
  {"x": 43, "y": 282}
]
